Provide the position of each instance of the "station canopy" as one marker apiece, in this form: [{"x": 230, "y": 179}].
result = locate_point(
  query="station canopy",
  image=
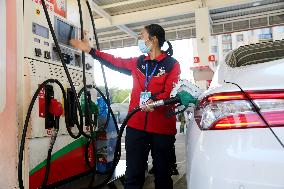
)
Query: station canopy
[{"x": 118, "y": 22}]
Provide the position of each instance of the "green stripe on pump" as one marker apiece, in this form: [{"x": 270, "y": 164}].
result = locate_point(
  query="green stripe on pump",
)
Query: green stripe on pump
[{"x": 66, "y": 149}]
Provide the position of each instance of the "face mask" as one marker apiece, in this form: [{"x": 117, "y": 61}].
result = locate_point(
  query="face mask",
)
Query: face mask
[{"x": 143, "y": 47}]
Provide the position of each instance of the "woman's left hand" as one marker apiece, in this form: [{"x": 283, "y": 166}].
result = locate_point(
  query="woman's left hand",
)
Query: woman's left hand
[{"x": 147, "y": 108}]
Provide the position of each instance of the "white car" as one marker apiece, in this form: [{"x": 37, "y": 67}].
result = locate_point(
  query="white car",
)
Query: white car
[{"x": 229, "y": 146}]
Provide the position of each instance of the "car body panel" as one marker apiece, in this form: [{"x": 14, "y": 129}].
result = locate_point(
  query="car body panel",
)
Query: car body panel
[{"x": 239, "y": 158}]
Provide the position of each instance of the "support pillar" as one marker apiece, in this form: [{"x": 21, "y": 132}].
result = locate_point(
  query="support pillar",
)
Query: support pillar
[
  {"x": 202, "y": 71},
  {"x": 203, "y": 33}
]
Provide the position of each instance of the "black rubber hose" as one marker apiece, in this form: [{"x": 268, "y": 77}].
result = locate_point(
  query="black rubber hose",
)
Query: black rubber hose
[
  {"x": 80, "y": 126},
  {"x": 172, "y": 100},
  {"x": 26, "y": 124},
  {"x": 91, "y": 141},
  {"x": 94, "y": 157},
  {"x": 117, "y": 153},
  {"x": 114, "y": 120},
  {"x": 87, "y": 111},
  {"x": 102, "y": 66},
  {"x": 49, "y": 153},
  {"x": 106, "y": 100},
  {"x": 87, "y": 108},
  {"x": 47, "y": 169}
]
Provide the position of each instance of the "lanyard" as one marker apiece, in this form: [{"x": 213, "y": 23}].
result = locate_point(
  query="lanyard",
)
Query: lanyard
[{"x": 148, "y": 78}]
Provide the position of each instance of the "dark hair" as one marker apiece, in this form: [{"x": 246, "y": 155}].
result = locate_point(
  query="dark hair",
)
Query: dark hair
[{"x": 159, "y": 32}]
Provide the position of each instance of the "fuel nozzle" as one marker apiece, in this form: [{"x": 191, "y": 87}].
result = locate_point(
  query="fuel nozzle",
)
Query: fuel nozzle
[
  {"x": 183, "y": 98},
  {"x": 56, "y": 109},
  {"x": 183, "y": 94}
]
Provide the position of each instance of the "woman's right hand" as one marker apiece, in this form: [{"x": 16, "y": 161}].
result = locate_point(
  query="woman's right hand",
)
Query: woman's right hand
[
  {"x": 145, "y": 108},
  {"x": 82, "y": 45}
]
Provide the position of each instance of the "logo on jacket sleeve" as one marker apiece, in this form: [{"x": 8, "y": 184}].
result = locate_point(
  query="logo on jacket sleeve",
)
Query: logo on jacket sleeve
[{"x": 162, "y": 71}]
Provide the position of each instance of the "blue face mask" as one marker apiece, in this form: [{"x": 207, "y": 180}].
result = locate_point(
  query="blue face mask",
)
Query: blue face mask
[{"x": 143, "y": 47}]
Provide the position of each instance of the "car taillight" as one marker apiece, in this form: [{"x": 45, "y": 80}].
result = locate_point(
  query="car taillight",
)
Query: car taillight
[{"x": 232, "y": 110}]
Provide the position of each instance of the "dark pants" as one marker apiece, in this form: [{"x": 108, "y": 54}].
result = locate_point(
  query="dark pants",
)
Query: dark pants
[
  {"x": 173, "y": 161},
  {"x": 173, "y": 156},
  {"x": 138, "y": 144}
]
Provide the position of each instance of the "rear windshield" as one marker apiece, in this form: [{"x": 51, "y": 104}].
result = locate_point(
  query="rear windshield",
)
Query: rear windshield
[{"x": 255, "y": 54}]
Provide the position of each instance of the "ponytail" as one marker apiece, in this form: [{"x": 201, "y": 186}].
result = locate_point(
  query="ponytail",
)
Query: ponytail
[{"x": 170, "y": 51}]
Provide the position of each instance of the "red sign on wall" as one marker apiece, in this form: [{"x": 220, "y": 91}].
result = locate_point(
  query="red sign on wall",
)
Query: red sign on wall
[
  {"x": 196, "y": 59},
  {"x": 59, "y": 7},
  {"x": 211, "y": 58}
]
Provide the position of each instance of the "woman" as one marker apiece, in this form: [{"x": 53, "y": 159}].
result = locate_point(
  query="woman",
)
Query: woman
[{"x": 153, "y": 78}]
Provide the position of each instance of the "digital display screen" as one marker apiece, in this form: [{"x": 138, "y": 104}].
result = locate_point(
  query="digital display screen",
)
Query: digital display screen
[
  {"x": 65, "y": 32},
  {"x": 40, "y": 30}
]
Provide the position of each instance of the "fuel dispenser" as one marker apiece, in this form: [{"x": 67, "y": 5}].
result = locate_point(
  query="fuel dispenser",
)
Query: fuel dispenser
[
  {"x": 55, "y": 145},
  {"x": 42, "y": 62}
]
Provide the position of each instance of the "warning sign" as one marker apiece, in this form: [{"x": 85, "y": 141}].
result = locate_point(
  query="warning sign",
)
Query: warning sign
[
  {"x": 37, "y": 12},
  {"x": 211, "y": 58},
  {"x": 196, "y": 59}
]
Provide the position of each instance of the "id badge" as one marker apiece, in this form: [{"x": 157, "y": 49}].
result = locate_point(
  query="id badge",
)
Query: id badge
[{"x": 144, "y": 96}]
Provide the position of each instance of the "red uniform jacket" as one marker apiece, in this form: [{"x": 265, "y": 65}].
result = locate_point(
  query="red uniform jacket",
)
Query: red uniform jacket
[{"x": 160, "y": 86}]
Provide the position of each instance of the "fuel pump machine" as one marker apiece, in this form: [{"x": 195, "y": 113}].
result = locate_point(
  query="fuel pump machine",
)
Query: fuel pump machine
[{"x": 42, "y": 62}]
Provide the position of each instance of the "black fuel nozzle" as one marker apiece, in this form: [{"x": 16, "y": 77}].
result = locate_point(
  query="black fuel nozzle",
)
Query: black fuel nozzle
[
  {"x": 173, "y": 100},
  {"x": 183, "y": 98},
  {"x": 159, "y": 103},
  {"x": 56, "y": 109},
  {"x": 71, "y": 108},
  {"x": 49, "y": 117},
  {"x": 92, "y": 108}
]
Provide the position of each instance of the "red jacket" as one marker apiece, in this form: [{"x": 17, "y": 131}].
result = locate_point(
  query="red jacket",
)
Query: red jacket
[{"x": 160, "y": 86}]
